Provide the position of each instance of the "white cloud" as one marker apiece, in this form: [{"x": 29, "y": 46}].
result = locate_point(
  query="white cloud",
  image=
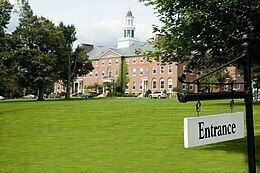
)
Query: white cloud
[
  {"x": 100, "y": 33},
  {"x": 106, "y": 33}
]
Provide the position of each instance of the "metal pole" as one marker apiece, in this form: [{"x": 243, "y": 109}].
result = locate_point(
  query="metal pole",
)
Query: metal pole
[{"x": 249, "y": 111}]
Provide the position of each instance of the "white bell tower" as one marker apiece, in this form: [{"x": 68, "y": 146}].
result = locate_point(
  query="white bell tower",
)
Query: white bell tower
[{"x": 129, "y": 32}]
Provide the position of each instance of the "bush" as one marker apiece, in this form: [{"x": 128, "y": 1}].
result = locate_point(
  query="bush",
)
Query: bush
[
  {"x": 114, "y": 94},
  {"x": 147, "y": 93},
  {"x": 130, "y": 95}
]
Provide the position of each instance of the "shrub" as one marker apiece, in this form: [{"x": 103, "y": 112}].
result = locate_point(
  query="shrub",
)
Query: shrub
[{"x": 147, "y": 93}]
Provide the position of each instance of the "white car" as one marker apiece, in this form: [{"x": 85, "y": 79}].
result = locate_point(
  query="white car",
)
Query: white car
[
  {"x": 2, "y": 97},
  {"x": 158, "y": 95},
  {"x": 29, "y": 96}
]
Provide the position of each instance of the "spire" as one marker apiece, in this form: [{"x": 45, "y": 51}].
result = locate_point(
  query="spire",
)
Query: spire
[
  {"x": 128, "y": 31},
  {"x": 129, "y": 13}
]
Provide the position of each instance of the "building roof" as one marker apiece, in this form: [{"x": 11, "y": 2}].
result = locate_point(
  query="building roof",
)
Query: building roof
[
  {"x": 129, "y": 14},
  {"x": 133, "y": 50}
]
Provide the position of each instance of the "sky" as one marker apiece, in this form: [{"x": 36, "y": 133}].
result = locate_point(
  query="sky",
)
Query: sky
[{"x": 96, "y": 22}]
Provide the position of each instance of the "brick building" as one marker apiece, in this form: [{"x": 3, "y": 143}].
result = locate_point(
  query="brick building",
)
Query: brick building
[{"x": 143, "y": 74}]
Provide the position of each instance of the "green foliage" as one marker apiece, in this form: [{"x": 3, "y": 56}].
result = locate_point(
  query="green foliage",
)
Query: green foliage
[
  {"x": 114, "y": 94},
  {"x": 122, "y": 78},
  {"x": 94, "y": 87},
  {"x": 147, "y": 93},
  {"x": 177, "y": 89},
  {"x": 8, "y": 67},
  {"x": 5, "y": 15},
  {"x": 39, "y": 41},
  {"x": 195, "y": 29},
  {"x": 71, "y": 63}
]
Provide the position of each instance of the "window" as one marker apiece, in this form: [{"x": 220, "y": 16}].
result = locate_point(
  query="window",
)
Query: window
[
  {"x": 127, "y": 86},
  {"x": 134, "y": 85},
  {"x": 116, "y": 72},
  {"x": 134, "y": 60},
  {"x": 127, "y": 73},
  {"x": 109, "y": 73},
  {"x": 184, "y": 86},
  {"x": 134, "y": 71},
  {"x": 187, "y": 87},
  {"x": 141, "y": 71},
  {"x": 110, "y": 62},
  {"x": 96, "y": 74},
  {"x": 154, "y": 84},
  {"x": 117, "y": 61},
  {"x": 162, "y": 84},
  {"x": 132, "y": 34},
  {"x": 154, "y": 69},
  {"x": 128, "y": 33},
  {"x": 141, "y": 60},
  {"x": 124, "y": 33},
  {"x": 170, "y": 68},
  {"x": 236, "y": 87},
  {"x": 141, "y": 85},
  {"x": 184, "y": 68},
  {"x": 162, "y": 69},
  {"x": 170, "y": 83},
  {"x": 103, "y": 73},
  {"x": 103, "y": 62}
]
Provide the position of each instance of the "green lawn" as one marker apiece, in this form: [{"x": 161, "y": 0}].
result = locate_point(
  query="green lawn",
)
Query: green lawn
[{"x": 113, "y": 135}]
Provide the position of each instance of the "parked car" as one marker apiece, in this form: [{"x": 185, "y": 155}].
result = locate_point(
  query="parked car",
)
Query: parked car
[
  {"x": 158, "y": 94},
  {"x": 54, "y": 95},
  {"x": 87, "y": 95},
  {"x": 2, "y": 97},
  {"x": 29, "y": 96}
]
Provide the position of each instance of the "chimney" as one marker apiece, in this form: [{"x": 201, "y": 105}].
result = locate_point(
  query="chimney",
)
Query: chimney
[{"x": 87, "y": 47}]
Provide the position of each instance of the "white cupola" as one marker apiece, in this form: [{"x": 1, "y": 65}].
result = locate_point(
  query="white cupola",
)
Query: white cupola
[{"x": 129, "y": 32}]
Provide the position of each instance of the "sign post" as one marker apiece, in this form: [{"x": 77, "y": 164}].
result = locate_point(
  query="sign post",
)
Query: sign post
[
  {"x": 247, "y": 95},
  {"x": 212, "y": 129}
]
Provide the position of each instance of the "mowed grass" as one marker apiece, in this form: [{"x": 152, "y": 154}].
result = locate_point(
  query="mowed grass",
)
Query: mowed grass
[{"x": 113, "y": 135}]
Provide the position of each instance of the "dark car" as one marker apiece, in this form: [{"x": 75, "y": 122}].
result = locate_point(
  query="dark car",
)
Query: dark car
[
  {"x": 54, "y": 95},
  {"x": 87, "y": 95}
]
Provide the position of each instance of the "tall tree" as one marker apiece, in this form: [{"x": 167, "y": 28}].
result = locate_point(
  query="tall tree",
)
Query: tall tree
[
  {"x": 39, "y": 42},
  {"x": 122, "y": 78},
  {"x": 5, "y": 11},
  {"x": 72, "y": 63},
  {"x": 195, "y": 28},
  {"x": 5, "y": 60}
]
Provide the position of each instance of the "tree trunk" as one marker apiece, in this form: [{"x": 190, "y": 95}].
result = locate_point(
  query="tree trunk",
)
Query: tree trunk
[
  {"x": 41, "y": 92},
  {"x": 67, "y": 95}
]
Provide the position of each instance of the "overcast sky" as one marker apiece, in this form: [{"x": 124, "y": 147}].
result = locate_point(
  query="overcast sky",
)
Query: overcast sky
[{"x": 96, "y": 22}]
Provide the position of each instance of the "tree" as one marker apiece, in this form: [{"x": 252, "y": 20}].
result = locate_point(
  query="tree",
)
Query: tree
[
  {"x": 195, "y": 28},
  {"x": 72, "y": 63},
  {"x": 5, "y": 11},
  {"x": 122, "y": 79},
  {"x": 39, "y": 41},
  {"x": 5, "y": 58}
]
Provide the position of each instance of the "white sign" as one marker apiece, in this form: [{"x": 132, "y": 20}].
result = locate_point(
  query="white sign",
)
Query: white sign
[{"x": 212, "y": 129}]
